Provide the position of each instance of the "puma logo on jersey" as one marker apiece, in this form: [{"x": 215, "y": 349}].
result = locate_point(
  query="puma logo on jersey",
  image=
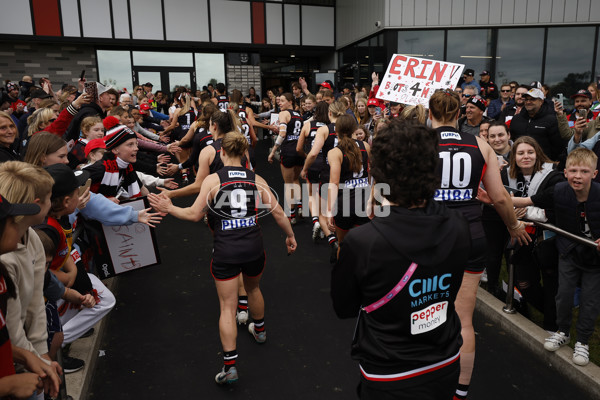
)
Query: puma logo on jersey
[
  {"x": 451, "y": 135},
  {"x": 237, "y": 174}
]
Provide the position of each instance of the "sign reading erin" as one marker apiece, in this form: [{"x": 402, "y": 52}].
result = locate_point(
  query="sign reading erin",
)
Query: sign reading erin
[
  {"x": 130, "y": 246},
  {"x": 413, "y": 80}
]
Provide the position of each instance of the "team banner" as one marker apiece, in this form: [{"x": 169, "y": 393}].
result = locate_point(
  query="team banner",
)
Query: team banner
[
  {"x": 127, "y": 247},
  {"x": 413, "y": 80}
]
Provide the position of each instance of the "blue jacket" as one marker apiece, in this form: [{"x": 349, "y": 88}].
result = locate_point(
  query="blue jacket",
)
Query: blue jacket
[{"x": 495, "y": 108}]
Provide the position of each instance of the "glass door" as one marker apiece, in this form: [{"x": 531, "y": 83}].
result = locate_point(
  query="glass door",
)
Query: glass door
[{"x": 165, "y": 78}]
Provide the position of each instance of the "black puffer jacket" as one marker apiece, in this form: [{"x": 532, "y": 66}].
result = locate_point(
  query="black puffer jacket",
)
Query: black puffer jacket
[{"x": 543, "y": 127}]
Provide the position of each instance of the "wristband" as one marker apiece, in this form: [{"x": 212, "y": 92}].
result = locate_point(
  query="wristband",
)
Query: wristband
[
  {"x": 180, "y": 166},
  {"x": 517, "y": 226}
]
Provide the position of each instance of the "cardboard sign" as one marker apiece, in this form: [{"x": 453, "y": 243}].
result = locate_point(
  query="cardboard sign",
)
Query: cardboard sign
[
  {"x": 413, "y": 80},
  {"x": 128, "y": 247}
]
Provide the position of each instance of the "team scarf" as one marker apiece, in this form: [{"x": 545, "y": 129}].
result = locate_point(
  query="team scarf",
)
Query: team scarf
[{"x": 118, "y": 177}]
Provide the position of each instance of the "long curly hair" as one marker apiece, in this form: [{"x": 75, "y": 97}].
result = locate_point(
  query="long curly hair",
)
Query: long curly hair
[{"x": 404, "y": 155}]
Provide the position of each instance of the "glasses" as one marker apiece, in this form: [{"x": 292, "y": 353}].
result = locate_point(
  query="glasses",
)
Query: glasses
[
  {"x": 467, "y": 95},
  {"x": 506, "y": 91}
]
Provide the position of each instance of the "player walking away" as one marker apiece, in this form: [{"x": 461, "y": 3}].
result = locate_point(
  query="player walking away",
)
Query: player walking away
[
  {"x": 305, "y": 144},
  {"x": 465, "y": 162},
  {"x": 290, "y": 126},
  {"x": 244, "y": 113},
  {"x": 325, "y": 140},
  {"x": 231, "y": 195},
  {"x": 348, "y": 179},
  {"x": 221, "y": 100}
]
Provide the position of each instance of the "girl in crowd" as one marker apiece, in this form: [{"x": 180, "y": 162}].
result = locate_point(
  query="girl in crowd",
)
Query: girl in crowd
[
  {"x": 91, "y": 128},
  {"x": 290, "y": 126},
  {"x": 361, "y": 134},
  {"x": 238, "y": 247},
  {"x": 458, "y": 189},
  {"x": 309, "y": 107},
  {"x": 325, "y": 140},
  {"x": 382, "y": 265},
  {"x": 495, "y": 231},
  {"x": 529, "y": 172},
  {"x": 361, "y": 112},
  {"x": 348, "y": 179},
  {"x": 305, "y": 143}
]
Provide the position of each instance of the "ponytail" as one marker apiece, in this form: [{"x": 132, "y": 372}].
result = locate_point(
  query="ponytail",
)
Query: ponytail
[{"x": 345, "y": 125}]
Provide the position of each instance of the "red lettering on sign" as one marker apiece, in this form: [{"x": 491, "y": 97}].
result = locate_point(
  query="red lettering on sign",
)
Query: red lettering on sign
[
  {"x": 438, "y": 73},
  {"x": 387, "y": 85},
  {"x": 412, "y": 63},
  {"x": 396, "y": 64},
  {"x": 425, "y": 64}
]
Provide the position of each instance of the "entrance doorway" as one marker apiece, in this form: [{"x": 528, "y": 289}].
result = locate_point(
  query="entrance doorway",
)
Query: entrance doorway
[{"x": 165, "y": 79}]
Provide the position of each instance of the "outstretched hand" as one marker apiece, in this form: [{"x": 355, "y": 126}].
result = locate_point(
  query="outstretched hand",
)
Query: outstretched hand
[
  {"x": 162, "y": 204},
  {"x": 148, "y": 218}
]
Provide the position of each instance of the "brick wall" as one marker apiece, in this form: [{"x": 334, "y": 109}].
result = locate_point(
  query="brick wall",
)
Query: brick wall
[{"x": 61, "y": 63}]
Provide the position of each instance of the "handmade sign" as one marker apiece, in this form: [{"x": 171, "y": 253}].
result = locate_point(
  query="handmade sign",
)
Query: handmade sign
[
  {"x": 128, "y": 247},
  {"x": 413, "y": 80}
]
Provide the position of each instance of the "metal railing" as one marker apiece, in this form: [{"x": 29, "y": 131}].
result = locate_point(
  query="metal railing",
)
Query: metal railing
[{"x": 510, "y": 291}]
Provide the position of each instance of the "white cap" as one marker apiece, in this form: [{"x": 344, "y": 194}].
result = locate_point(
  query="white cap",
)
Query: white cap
[
  {"x": 535, "y": 93},
  {"x": 102, "y": 88}
]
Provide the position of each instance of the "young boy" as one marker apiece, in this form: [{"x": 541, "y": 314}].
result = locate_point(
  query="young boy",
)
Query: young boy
[{"x": 576, "y": 204}]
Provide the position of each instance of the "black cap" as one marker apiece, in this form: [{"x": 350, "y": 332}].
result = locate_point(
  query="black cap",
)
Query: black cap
[
  {"x": 148, "y": 84},
  {"x": 469, "y": 72},
  {"x": 582, "y": 93},
  {"x": 39, "y": 94},
  {"x": 12, "y": 210},
  {"x": 65, "y": 179},
  {"x": 484, "y": 72}
]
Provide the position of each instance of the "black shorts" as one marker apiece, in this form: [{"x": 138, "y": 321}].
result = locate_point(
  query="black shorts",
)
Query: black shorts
[
  {"x": 225, "y": 271},
  {"x": 290, "y": 160},
  {"x": 476, "y": 263},
  {"x": 313, "y": 176},
  {"x": 347, "y": 223}
]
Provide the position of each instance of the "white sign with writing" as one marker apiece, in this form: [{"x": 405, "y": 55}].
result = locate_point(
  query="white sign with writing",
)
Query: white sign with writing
[
  {"x": 131, "y": 246},
  {"x": 413, "y": 80}
]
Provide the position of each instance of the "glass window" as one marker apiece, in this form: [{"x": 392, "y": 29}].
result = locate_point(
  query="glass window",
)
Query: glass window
[
  {"x": 426, "y": 44},
  {"x": 152, "y": 77},
  {"x": 471, "y": 47},
  {"x": 569, "y": 59},
  {"x": 210, "y": 68},
  {"x": 517, "y": 59},
  {"x": 162, "y": 59},
  {"x": 114, "y": 68}
]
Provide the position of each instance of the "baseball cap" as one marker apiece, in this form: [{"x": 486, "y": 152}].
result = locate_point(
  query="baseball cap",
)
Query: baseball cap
[
  {"x": 372, "y": 102},
  {"x": 469, "y": 72},
  {"x": 40, "y": 94},
  {"x": 144, "y": 108},
  {"x": 65, "y": 179},
  {"x": 478, "y": 102},
  {"x": 11, "y": 86},
  {"x": 536, "y": 84},
  {"x": 148, "y": 84},
  {"x": 93, "y": 145},
  {"x": 326, "y": 85},
  {"x": 102, "y": 88},
  {"x": 484, "y": 72},
  {"x": 582, "y": 93},
  {"x": 8, "y": 209},
  {"x": 535, "y": 93}
]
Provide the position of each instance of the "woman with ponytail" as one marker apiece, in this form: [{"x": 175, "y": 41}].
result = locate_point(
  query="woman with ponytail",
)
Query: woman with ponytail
[
  {"x": 325, "y": 140},
  {"x": 348, "y": 179}
]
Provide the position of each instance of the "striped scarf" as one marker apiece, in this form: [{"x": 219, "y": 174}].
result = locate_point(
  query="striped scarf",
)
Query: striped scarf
[{"x": 113, "y": 177}]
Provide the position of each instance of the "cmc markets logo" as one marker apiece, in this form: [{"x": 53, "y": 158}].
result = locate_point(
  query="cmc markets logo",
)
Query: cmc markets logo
[{"x": 242, "y": 200}]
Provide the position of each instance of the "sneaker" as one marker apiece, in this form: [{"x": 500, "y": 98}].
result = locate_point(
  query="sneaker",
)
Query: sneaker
[
  {"x": 315, "y": 231},
  {"x": 581, "y": 354},
  {"x": 556, "y": 341},
  {"x": 228, "y": 377},
  {"x": 260, "y": 337},
  {"x": 242, "y": 317},
  {"x": 71, "y": 364},
  {"x": 484, "y": 277},
  {"x": 334, "y": 250}
]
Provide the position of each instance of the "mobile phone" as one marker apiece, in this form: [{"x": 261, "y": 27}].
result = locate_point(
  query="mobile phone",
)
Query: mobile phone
[
  {"x": 561, "y": 99},
  {"x": 91, "y": 89},
  {"x": 85, "y": 187},
  {"x": 82, "y": 76},
  {"x": 582, "y": 113},
  {"x": 378, "y": 110},
  {"x": 516, "y": 192}
]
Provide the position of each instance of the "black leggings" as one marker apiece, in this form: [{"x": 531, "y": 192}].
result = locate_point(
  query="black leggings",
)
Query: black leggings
[{"x": 497, "y": 237}]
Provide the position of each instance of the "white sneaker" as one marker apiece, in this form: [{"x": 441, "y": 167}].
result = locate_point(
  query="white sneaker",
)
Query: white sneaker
[
  {"x": 241, "y": 317},
  {"x": 581, "y": 354},
  {"x": 484, "y": 278},
  {"x": 556, "y": 341},
  {"x": 315, "y": 231}
]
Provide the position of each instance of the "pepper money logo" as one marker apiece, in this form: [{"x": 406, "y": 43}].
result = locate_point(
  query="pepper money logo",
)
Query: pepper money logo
[{"x": 244, "y": 201}]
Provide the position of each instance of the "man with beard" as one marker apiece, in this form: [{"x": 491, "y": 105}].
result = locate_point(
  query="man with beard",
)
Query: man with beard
[
  {"x": 509, "y": 112},
  {"x": 568, "y": 124},
  {"x": 473, "y": 116}
]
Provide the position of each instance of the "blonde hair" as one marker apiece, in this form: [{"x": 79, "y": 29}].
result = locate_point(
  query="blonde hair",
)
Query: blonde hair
[
  {"x": 21, "y": 183},
  {"x": 415, "y": 113},
  {"x": 581, "y": 156},
  {"x": 40, "y": 145},
  {"x": 39, "y": 117},
  {"x": 4, "y": 114},
  {"x": 234, "y": 144},
  {"x": 88, "y": 123},
  {"x": 337, "y": 109}
]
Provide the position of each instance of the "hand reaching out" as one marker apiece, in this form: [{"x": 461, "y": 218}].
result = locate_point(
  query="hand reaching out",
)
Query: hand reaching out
[{"x": 148, "y": 218}]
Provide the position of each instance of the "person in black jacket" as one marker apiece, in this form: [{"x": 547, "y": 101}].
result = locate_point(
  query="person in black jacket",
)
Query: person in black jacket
[
  {"x": 99, "y": 107},
  {"x": 538, "y": 120},
  {"x": 8, "y": 134},
  {"x": 408, "y": 347}
]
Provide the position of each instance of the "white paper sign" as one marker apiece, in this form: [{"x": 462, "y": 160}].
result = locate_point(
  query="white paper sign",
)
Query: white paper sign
[
  {"x": 413, "y": 80},
  {"x": 130, "y": 246},
  {"x": 274, "y": 119}
]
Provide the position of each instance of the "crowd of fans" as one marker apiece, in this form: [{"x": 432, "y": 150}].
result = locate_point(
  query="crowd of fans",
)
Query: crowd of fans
[{"x": 78, "y": 152}]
